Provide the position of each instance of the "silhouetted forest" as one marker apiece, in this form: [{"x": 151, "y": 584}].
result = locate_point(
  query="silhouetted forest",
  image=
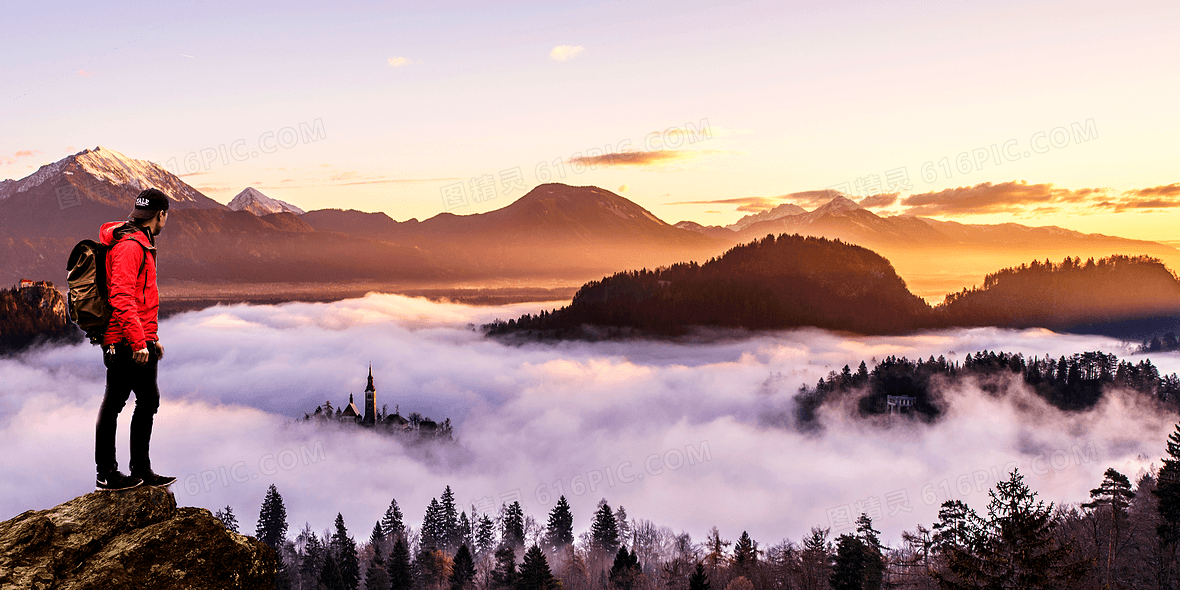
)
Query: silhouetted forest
[
  {"x": 1074, "y": 383},
  {"x": 1125, "y": 536},
  {"x": 1166, "y": 343},
  {"x": 782, "y": 282},
  {"x": 31, "y": 314},
  {"x": 1047, "y": 295},
  {"x": 793, "y": 281}
]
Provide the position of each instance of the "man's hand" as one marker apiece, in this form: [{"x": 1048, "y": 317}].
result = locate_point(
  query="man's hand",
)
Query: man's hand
[
  {"x": 140, "y": 356},
  {"x": 159, "y": 351}
]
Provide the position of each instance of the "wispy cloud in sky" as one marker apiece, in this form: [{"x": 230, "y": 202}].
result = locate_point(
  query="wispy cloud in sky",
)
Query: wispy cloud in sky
[{"x": 1004, "y": 197}]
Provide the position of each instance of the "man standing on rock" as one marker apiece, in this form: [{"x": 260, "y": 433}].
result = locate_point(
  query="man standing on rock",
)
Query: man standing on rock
[{"x": 131, "y": 349}]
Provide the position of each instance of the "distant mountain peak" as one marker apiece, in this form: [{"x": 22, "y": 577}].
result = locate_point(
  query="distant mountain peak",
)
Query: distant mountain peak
[
  {"x": 837, "y": 204},
  {"x": 104, "y": 165},
  {"x": 783, "y": 210},
  {"x": 252, "y": 200}
]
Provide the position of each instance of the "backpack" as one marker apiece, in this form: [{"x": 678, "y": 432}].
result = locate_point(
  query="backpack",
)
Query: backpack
[{"x": 88, "y": 300}]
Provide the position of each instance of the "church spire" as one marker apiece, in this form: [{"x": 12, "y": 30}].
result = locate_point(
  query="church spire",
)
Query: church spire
[{"x": 370, "y": 400}]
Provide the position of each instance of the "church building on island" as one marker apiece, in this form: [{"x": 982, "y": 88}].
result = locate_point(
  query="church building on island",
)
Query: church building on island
[{"x": 382, "y": 420}]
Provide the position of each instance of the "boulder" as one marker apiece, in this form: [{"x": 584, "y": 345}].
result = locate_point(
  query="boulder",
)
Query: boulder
[{"x": 136, "y": 538}]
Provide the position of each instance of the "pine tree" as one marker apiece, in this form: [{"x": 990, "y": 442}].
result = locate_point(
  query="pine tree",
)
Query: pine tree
[
  {"x": 375, "y": 574},
  {"x": 699, "y": 579},
  {"x": 504, "y": 576},
  {"x": 463, "y": 569},
  {"x": 513, "y": 523},
  {"x": 432, "y": 534},
  {"x": 1115, "y": 492},
  {"x": 604, "y": 531},
  {"x": 227, "y": 518},
  {"x": 486, "y": 535},
  {"x": 449, "y": 525},
  {"x": 313, "y": 557},
  {"x": 624, "y": 572},
  {"x": 745, "y": 553},
  {"x": 716, "y": 547},
  {"x": 874, "y": 558},
  {"x": 534, "y": 572},
  {"x": 624, "y": 526},
  {"x": 466, "y": 531},
  {"x": 330, "y": 574},
  {"x": 272, "y": 520},
  {"x": 1168, "y": 493},
  {"x": 560, "y": 531},
  {"x": 391, "y": 523},
  {"x": 1014, "y": 547},
  {"x": 401, "y": 576},
  {"x": 816, "y": 560},
  {"x": 849, "y": 570},
  {"x": 344, "y": 548}
]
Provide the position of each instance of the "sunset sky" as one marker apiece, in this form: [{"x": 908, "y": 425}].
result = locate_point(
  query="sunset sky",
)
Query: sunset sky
[{"x": 1047, "y": 113}]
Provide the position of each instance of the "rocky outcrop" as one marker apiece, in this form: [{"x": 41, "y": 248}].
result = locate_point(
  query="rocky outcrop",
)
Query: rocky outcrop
[
  {"x": 32, "y": 313},
  {"x": 132, "y": 539}
]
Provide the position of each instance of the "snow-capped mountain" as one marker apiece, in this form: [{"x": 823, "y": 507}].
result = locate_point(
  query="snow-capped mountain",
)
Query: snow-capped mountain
[
  {"x": 259, "y": 204},
  {"x": 781, "y": 211},
  {"x": 104, "y": 166}
]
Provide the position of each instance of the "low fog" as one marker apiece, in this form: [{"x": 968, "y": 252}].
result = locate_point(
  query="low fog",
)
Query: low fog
[{"x": 687, "y": 435}]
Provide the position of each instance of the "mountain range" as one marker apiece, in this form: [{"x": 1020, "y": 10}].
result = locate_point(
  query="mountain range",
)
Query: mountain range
[{"x": 555, "y": 233}]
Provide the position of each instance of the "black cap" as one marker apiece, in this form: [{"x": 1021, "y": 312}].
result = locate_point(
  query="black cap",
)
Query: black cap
[{"x": 148, "y": 203}]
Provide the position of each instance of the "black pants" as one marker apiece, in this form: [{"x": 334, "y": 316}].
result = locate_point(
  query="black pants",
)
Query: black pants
[{"x": 124, "y": 375}]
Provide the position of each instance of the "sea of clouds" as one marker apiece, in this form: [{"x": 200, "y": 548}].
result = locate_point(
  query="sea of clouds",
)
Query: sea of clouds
[{"x": 685, "y": 434}]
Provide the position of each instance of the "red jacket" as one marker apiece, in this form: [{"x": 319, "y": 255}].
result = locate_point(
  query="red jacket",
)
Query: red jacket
[{"x": 134, "y": 296}]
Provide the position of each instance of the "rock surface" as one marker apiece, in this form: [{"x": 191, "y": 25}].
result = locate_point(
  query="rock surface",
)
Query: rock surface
[{"x": 132, "y": 539}]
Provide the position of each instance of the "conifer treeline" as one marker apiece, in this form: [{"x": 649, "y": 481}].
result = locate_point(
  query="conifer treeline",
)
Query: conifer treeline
[
  {"x": 1124, "y": 537},
  {"x": 1074, "y": 383},
  {"x": 791, "y": 281}
]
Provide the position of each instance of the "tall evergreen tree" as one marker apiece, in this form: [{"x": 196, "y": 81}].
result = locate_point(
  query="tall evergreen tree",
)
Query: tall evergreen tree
[
  {"x": 313, "y": 558},
  {"x": 330, "y": 575},
  {"x": 401, "y": 576},
  {"x": 466, "y": 531},
  {"x": 375, "y": 574},
  {"x": 227, "y": 518},
  {"x": 816, "y": 560},
  {"x": 699, "y": 579},
  {"x": 272, "y": 520},
  {"x": 462, "y": 569},
  {"x": 745, "y": 553},
  {"x": 624, "y": 526},
  {"x": 344, "y": 549},
  {"x": 432, "y": 535},
  {"x": 1014, "y": 547},
  {"x": 485, "y": 536},
  {"x": 604, "y": 531},
  {"x": 1167, "y": 491},
  {"x": 560, "y": 531},
  {"x": 534, "y": 572},
  {"x": 504, "y": 575},
  {"x": 513, "y": 523},
  {"x": 1114, "y": 495},
  {"x": 449, "y": 527},
  {"x": 848, "y": 572},
  {"x": 391, "y": 524},
  {"x": 874, "y": 558},
  {"x": 624, "y": 572}
]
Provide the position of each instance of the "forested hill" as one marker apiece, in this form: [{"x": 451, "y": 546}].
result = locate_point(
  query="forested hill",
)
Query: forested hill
[
  {"x": 1048, "y": 295},
  {"x": 776, "y": 282}
]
